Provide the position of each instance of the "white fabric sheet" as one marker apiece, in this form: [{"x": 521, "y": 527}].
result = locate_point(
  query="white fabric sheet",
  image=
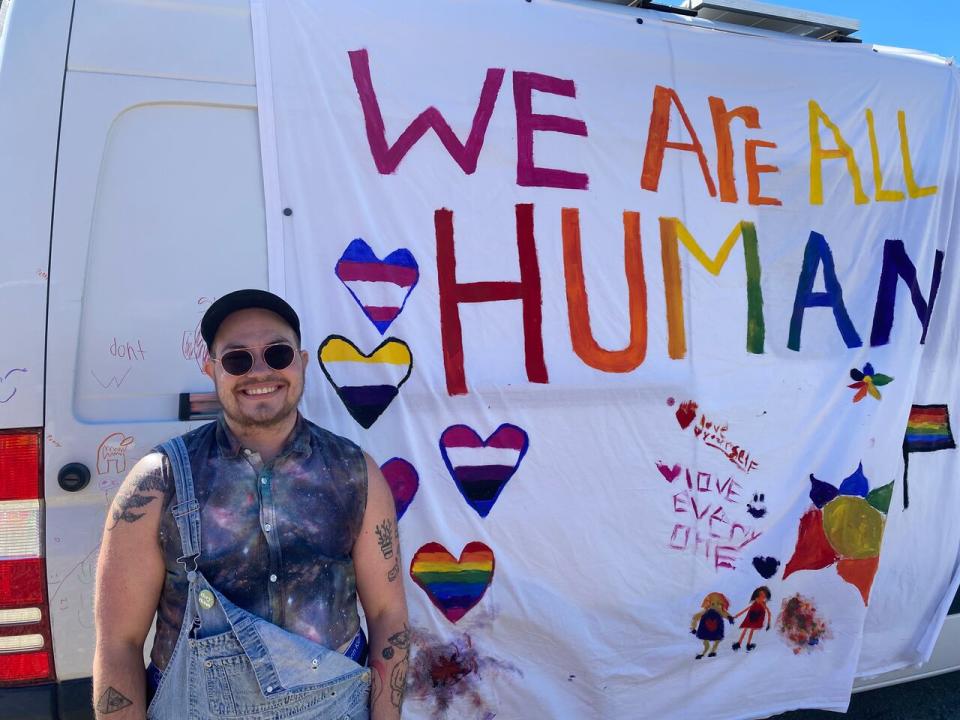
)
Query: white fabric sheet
[{"x": 612, "y": 442}]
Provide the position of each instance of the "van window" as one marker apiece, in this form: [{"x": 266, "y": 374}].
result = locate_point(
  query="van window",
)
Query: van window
[{"x": 178, "y": 218}]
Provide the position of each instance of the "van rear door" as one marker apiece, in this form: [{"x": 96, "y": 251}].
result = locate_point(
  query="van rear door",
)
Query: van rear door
[{"x": 159, "y": 209}]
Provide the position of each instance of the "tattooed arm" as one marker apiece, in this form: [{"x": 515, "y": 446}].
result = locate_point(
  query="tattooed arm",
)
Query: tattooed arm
[
  {"x": 379, "y": 567},
  {"x": 130, "y": 575}
]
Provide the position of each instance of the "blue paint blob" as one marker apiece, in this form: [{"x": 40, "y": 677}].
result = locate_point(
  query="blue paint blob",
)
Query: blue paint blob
[{"x": 856, "y": 484}]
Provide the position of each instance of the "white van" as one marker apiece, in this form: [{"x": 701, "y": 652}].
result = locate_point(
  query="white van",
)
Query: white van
[{"x": 130, "y": 170}]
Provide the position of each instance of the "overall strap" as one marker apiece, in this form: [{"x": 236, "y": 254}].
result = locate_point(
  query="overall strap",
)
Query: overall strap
[{"x": 187, "y": 510}]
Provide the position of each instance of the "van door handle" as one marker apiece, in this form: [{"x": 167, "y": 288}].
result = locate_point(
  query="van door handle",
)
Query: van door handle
[{"x": 73, "y": 477}]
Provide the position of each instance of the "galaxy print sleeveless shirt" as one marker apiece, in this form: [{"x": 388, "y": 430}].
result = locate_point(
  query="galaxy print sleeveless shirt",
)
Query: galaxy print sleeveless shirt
[{"x": 276, "y": 537}]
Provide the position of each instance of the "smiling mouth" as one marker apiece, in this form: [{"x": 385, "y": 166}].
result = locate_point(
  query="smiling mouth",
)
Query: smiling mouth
[{"x": 260, "y": 391}]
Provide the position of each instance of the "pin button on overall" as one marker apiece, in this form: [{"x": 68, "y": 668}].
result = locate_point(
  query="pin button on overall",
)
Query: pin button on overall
[{"x": 206, "y": 599}]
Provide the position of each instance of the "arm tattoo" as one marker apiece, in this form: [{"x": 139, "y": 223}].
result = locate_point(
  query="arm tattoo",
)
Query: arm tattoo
[
  {"x": 388, "y": 538},
  {"x": 398, "y": 681},
  {"x": 376, "y": 682},
  {"x": 385, "y": 534},
  {"x": 111, "y": 701},
  {"x": 399, "y": 641},
  {"x": 132, "y": 499}
]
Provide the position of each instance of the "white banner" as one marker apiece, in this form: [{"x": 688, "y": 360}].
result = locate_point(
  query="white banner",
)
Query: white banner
[{"x": 634, "y": 315}]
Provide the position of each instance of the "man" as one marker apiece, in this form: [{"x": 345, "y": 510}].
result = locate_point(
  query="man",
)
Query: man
[{"x": 293, "y": 523}]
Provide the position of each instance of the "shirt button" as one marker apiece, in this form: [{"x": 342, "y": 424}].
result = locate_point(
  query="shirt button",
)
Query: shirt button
[
  {"x": 263, "y": 481},
  {"x": 269, "y": 688},
  {"x": 273, "y": 578},
  {"x": 268, "y": 527},
  {"x": 247, "y": 451}
]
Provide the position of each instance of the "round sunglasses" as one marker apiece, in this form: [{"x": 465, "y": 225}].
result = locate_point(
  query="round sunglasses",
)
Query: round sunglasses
[{"x": 277, "y": 356}]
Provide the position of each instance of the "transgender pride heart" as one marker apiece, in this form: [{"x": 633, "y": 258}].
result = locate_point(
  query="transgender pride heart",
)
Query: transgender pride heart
[
  {"x": 403, "y": 480},
  {"x": 454, "y": 586},
  {"x": 380, "y": 287},
  {"x": 366, "y": 384},
  {"x": 481, "y": 468}
]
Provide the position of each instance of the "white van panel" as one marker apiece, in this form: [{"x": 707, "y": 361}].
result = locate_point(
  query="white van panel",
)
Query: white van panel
[
  {"x": 179, "y": 205},
  {"x": 159, "y": 209},
  {"x": 34, "y": 48},
  {"x": 208, "y": 40}
]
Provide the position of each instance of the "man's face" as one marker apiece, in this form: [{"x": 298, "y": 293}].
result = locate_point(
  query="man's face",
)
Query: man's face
[{"x": 264, "y": 397}]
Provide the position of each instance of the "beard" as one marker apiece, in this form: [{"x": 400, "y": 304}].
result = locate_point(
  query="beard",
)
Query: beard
[{"x": 263, "y": 415}]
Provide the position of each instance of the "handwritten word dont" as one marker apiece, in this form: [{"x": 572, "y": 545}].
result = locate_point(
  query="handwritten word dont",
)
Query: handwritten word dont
[{"x": 127, "y": 350}]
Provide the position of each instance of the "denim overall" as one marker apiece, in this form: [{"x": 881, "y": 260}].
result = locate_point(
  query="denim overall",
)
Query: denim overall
[{"x": 229, "y": 663}]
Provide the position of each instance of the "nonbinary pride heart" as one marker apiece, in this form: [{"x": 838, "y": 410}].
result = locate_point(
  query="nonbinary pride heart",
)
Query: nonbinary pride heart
[
  {"x": 403, "y": 480},
  {"x": 481, "y": 468},
  {"x": 380, "y": 287},
  {"x": 366, "y": 384},
  {"x": 454, "y": 586}
]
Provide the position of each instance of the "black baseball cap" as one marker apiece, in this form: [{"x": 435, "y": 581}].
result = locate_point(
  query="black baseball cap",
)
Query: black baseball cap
[{"x": 244, "y": 300}]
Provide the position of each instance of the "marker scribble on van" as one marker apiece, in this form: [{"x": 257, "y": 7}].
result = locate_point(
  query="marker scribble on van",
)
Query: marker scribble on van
[
  {"x": 112, "y": 453},
  {"x": 192, "y": 345},
  {"x": 114, "y": 381},
  {"x": 6, "y": 390},
  {"x": 127, "y": 349}
]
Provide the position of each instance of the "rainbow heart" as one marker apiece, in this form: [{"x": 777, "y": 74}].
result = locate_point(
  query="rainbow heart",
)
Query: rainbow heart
[
  {"x": 481, "y": 468},
  {"x": 380, "y": 287},
  {"x": 454, "y": 586},
  {"x": 366, "y": 384},
  {"x": 403, "y": 480}
]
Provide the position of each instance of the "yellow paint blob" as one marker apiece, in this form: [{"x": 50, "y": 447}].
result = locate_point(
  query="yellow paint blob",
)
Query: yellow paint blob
[{"x": 853, "y": 527}]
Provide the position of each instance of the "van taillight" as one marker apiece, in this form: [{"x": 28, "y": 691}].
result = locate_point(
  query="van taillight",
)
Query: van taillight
[{"x": 26, "y": 654}]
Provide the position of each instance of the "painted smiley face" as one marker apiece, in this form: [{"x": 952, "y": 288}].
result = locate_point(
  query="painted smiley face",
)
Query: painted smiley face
[
  {"x": 7, "y": 391},
  {"x": 758, "y": 507}
]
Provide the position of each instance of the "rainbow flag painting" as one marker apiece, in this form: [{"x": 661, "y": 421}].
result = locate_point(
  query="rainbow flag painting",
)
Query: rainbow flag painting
[
  {"x": 380, "y": 287},
  {"x": 928, "y": 430},
  {"x": 454, "y": 586}
]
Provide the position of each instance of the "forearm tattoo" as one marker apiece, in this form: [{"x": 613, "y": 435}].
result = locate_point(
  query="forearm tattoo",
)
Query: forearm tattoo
[
  {"x": 112, "y": 701},
  {"x": 388, "y": 538},
  {"x": 129, "y": 501},
  {"x": 398, "y": 648}
]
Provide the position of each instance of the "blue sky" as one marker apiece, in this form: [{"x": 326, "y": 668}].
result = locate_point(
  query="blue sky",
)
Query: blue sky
[{"x": 931, "y": 25}]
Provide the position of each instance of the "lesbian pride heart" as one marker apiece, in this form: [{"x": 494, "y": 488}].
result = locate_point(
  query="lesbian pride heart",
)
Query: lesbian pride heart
[
  {"x": 403, "y": 480},
  {"x": 380, "y": 287},
  {"x": 366, "y": 384},
  {"x": 481, "y": 468},
  {"x": 454, "y": 586}
]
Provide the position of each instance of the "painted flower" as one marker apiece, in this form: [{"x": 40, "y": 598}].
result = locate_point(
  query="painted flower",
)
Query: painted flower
[
  {"x": 867, "y": 381},
  {"x": 843, "y": 528}
]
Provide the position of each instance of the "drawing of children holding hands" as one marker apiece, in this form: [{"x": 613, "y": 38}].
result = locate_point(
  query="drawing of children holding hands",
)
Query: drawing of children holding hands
[
  {"x": 707, "y": 624},
  {"x": 756, "y": 612}
]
